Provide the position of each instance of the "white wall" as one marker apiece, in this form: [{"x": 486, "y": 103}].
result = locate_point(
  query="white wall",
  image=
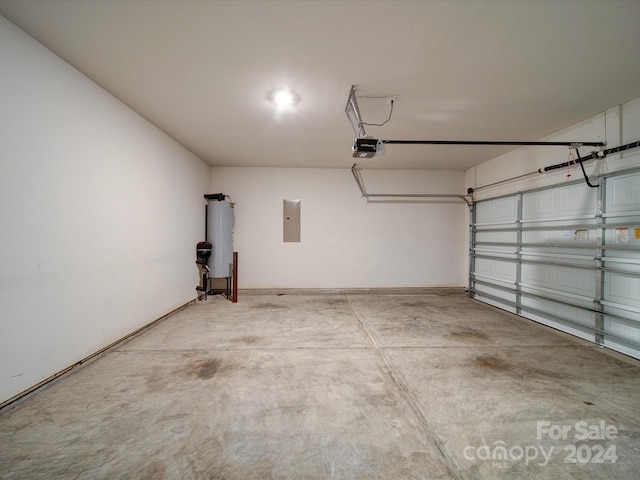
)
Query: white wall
[
  {"x": 99, "y": 216},
  {"x": 346, "y": 243},
  {"x": 619, "y": 125}
]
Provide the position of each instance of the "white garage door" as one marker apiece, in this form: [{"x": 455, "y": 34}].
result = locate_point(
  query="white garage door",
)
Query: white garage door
[{"x": 567, "y": 257}]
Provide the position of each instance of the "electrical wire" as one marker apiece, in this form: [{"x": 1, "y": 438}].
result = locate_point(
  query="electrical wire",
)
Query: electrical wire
[{"x": 381, "y": 124}]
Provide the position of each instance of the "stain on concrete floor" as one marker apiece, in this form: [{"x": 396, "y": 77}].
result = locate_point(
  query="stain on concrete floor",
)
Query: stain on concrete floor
[
  {"x": 490, "y": 362},
  {"x": 206, "y": 368}
]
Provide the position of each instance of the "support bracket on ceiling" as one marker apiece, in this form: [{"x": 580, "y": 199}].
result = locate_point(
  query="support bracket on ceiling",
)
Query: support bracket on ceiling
[
  {"x": 352, "y": 109},
  {"x": 393, "y": 197}
]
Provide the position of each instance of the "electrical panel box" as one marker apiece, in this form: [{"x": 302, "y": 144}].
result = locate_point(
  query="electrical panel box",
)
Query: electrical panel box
[{"x": 291, "y": 220}]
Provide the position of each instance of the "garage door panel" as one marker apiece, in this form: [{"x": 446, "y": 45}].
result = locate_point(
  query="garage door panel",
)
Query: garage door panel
[
  {"x": 622, "y": 329},
  {"x": 573, "y": 314},
  {"x": 570, "y": 235},
  {"x": 500, "y": 210},
  {"x": 577, "y": 260},
  {"x": 497, "y": 237},
  {"x": 504, "y": 271},
  {"x": 625, "y": 236},
  {"x": 497, "y": 297},
  {"x": 632, "y": 350},
  {"x": 559, "y": 279},
  {"x": 575, "y": 281},
  {"x": 538, "y": 275},
  {"x": 565, "y": 202},
  {"x": 622, "y": 289},
  {"x": 558, "y": 323},
  {"x": 623, "y": 194}
]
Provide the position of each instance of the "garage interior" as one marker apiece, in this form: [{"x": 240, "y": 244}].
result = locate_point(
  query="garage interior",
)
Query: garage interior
[{"x": 458, "y": 296}]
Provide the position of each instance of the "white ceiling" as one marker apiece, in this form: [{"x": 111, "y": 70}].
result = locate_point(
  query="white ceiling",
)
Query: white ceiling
[{"x": 460, "y": 70}]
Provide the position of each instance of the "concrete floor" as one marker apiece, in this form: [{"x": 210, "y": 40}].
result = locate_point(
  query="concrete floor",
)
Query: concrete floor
[{"x": 303, "y": 386}]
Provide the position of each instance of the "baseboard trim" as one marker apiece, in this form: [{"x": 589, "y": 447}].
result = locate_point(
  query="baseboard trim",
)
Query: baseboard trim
[
  {"x": 354, "y": 291},
  {"x": 47, "y": 382}
]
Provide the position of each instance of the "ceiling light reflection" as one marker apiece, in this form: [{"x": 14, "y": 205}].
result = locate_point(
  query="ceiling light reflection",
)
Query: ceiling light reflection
[{"x": 283, "y": 98}]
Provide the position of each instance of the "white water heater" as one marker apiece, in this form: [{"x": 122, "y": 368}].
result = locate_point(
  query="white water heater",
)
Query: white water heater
[{"x": 220, "y": 224}]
